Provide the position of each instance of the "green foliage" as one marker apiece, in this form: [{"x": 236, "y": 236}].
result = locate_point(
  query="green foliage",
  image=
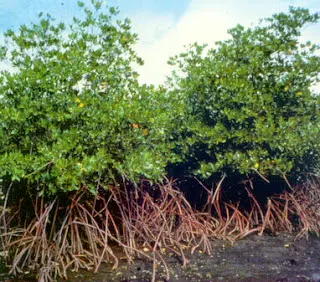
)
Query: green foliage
[
  {"x": 248, "y": 101},
  {"x": 73, "y": 113}
]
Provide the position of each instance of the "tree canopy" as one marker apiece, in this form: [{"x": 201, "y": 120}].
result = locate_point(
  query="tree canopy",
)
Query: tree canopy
[
  {"x": 74, "y": 113},
  {"x": 249, "y": 101}
]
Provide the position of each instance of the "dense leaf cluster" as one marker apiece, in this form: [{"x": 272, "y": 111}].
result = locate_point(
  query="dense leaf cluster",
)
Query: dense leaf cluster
[
  {"x": 73, "y": 113},
  {"x": 248, "y": 101}
]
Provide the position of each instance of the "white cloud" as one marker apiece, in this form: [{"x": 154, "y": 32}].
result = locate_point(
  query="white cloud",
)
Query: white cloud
[
  {"x": 152, "y": 30},
  {"x": 204, "y": 21},
  {"x": 5, "y": 65},
  {"x": 195, "y": 25},
  {"x": 151, "y": 26}
]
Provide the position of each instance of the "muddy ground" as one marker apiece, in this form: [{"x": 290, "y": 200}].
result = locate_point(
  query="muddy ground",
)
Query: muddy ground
[{"x": 255, "y": 258}]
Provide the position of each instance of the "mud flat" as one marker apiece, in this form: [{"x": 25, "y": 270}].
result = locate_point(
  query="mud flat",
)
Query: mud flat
[{"x": 274, "y": 257}]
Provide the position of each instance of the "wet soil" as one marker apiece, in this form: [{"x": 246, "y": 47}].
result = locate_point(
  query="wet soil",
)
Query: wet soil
[{"x": 255, "y": 258}]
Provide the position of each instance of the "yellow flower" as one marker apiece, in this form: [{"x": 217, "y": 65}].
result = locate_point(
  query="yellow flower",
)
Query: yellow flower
[
  {"x": 78, "y": 100},
  {"x": 286, "y": 88},
  {"x": 299, "y": 93},
  {"x": 145, "y": 132},
  {"x": 256, "y": 165},
  {"x": 135, "y": 125},
  {"x": 81, "y": 105}
]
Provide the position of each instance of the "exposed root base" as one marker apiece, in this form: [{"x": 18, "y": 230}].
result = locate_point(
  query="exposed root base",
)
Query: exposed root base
[{"x": 145, "y": 222}]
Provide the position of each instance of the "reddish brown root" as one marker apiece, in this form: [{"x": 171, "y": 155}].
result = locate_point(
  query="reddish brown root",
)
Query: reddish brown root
[{"x": 145, "y": 223}]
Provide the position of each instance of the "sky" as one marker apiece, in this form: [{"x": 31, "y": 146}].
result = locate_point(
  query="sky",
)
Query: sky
[{"x": 165, "y": 26}]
